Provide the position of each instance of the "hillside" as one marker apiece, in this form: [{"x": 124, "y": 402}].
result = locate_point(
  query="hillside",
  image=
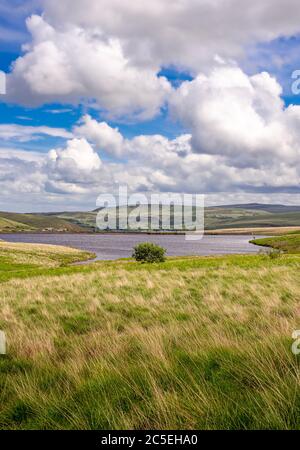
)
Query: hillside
[
  {"x": 223, "y": 218},
  {"x": 7, "y": 225},
  {"x": 237, "y": 217},
  {"x": 15, "y": 222},
  {"x": 219, "y": 217},
  {"x": 264, "y": 207}
]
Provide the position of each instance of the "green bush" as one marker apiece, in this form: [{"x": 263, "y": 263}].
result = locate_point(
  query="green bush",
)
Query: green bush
[
  {"x": 274, "y": 253},
  {"x": 148, "y": 252}
]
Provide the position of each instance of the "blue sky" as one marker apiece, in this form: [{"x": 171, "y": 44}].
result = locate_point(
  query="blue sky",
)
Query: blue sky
[
  {"x": 262, "y": 57},
  {"x": 65, "y": 115},
  {"x": 152, "y": 89},
  {"x": 279, "y": 57}
]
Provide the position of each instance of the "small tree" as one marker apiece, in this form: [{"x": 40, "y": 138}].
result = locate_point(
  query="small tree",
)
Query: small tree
[
  {"x": 274, "y": 253},
  {"x": 148, "y": 252}
]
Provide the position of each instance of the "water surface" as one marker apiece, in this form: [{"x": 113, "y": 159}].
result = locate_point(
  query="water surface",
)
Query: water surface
[{"x": 114, "y": 246}]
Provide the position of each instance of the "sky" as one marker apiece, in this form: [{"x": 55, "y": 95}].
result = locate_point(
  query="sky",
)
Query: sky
[{"x": 178, "y": 96}]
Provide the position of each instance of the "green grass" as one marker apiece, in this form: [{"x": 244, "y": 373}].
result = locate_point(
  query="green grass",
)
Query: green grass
[
  {"x": 34, "y": 222},
  {"x": 28, "y": 259},
  {"x": 195, "y": 342},
  {"x": 7, "y": 225},
  {"x": 288, "y": 243}
]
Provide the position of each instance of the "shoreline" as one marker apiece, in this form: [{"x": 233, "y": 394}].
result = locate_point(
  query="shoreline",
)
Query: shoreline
[{"x": 217, "y": 232}]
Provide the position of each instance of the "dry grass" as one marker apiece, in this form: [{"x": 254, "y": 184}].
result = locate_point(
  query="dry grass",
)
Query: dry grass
[
  {"x": 192, "y": 343},
  {"x": 13, "y": 255},
  {"x": 270, "y": 231}
]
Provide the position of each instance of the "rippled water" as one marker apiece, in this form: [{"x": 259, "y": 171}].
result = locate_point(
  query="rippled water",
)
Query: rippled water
[{"x": 114, "y": 246}]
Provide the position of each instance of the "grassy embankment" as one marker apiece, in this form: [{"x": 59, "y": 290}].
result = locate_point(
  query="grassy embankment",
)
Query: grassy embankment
[
  {"x": 35, "y": 223},
  {"x": 191, "y": 343},
  {"x": 289, "y": 243}
]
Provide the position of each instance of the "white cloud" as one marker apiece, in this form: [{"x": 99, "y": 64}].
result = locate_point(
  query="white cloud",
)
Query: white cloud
[
  {"x": 73, "y": 169},
  {"x": 239, "y": 117},
  {"x": 154, "y": 163},
  {"x": 186, "y": 33},
  {"x": 13, "y": 12},
  {"x": 13, "y": 153},
  {"x": 78, "y": 156},
  {"x": 59, "y": 111},
  {"x": 74, "y": 64},
  {"x": 105, "y": 138},
  {"x": 110, "y": 53},
  {"x": 8, "y": 35},
  {"x": 25, "y": 133},
  {"x": 21, "y": 173},
  {"x": 239, "y": 135}
]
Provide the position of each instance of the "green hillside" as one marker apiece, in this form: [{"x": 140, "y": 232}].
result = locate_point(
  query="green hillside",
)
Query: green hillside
[
  {"x": 216, "y": 218},
  {"x": 15, "y": 222},
  {"x": 243, "y": 218},
  {"x": 220, "y": 217},
  {"x": 85, "y": 220},
  {"x": 7, "y": 225}
]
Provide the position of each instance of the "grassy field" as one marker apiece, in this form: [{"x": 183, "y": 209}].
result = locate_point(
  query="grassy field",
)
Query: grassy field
[
  {"x": 16, "y": 222},
  {"x": 190, "y": 343},
  {"x": 256, "y": 231},
  {"x": 8, "y": 226},
  {"x": 17, "y": 260},
  {"x": 289, "y": 243}
]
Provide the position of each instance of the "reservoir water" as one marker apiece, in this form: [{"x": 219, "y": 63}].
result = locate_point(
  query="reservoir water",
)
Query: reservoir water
[{"x": 113, "y": 246}]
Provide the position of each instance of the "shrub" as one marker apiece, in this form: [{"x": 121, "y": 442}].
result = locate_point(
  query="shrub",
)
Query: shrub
[
  {"x": 148, "y": 252},
  {"x": 274, "y": 254}
]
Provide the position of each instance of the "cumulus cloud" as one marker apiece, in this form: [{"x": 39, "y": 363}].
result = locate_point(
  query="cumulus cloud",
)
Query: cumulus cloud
[
  {"x": 153, "y": 163},
  {"x": 239, "y": 117},
  {"x": 75, "y": 64},
  {"x": 241, "y": 139},
  {"x": 239, "y": 136},
  {"x": 77, "y": 157},
  {"x": 203, "y": 163},
  {"x": 21, "y": 173},
  {"x": 110, "y": 53},
  {"x": 183, "y": 33},
  {"x": 72, "y": 169},
  {"x": 105, "y": 138}
]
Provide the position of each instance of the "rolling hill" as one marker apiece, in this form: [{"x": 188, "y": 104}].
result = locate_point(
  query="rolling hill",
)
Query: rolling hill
[
  {"x": 226, "y": 217},
  {"x": 218, "y": 217},
  {"x": 16, "y": 222}
]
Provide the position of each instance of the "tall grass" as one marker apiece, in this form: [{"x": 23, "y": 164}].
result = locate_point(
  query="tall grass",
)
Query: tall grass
[
  {"x": 288, "y": 243},
  {"x": 192, "y": 343}
]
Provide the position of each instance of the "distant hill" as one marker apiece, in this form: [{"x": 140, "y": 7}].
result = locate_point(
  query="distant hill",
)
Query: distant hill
[
  {"x": 16, "y": 222},
  {"x": 216, "y": 217},
  {"x": 264, "y": 207},
  {"x": 253, "y": 215},
  {"x": 12, "y": 226}
]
